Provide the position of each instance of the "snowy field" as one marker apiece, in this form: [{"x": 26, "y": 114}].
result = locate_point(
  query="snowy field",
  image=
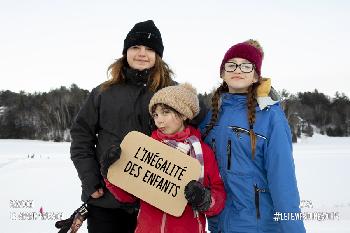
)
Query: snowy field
[{"x": 40, "y": 184}]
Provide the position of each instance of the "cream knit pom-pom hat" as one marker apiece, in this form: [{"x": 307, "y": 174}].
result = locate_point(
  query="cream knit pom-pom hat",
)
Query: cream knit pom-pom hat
[{"x": 183, "y": 98}]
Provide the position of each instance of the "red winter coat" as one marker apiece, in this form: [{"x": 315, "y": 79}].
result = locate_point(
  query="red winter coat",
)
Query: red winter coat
[{"x": 151, "y": 219}]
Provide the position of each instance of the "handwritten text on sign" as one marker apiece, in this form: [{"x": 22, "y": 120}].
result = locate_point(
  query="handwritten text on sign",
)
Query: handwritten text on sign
[{"x": 154, "y": 172}]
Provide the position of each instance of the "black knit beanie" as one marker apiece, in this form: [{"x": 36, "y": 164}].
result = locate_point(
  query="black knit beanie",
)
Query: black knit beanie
[{"x": 147, "y": 34}]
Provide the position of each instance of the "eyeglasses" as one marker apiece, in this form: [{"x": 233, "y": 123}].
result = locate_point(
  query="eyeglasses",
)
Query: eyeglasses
[{"x": 244, "y": 67}]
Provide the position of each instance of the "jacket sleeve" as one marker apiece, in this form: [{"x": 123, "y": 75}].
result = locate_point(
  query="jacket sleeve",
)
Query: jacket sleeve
[
  {"x": 214, "y": 182},
  {"x": 280, "y": 168},
  {"x": 119, "y": 193},
  {"x": 83, "y": 133}
]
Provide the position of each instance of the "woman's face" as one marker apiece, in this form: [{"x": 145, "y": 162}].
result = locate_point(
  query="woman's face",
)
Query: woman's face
[
  {"x": 167, "y": 121},
  {"x": 237, "y": 80},
  {"x": 140, "y": 57}
]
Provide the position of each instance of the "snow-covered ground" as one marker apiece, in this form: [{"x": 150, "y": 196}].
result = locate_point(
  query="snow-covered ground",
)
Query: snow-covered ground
[
  {"x": 323, "y": 172},
  {"x": 40, "y": 175},
  {"x": 48, "y": 181}
]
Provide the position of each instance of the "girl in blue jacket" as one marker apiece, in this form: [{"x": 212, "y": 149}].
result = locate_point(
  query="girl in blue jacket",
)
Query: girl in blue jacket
[{"x": 252, "y": 141}]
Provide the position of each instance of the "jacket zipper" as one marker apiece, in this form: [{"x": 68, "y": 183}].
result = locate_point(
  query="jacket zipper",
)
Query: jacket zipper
[
  {"x": 238, "y": 130},
  {"x": 196, "y": 216},
  {"x": 228, "y": 154},
  {"x": 257, "y": 199},
  {"x": 162, "y": 227},
  {"x": 200, "y": 227}
]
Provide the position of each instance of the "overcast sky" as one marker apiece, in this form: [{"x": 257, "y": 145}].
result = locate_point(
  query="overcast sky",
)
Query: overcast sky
[{"x": 53, "y": 43}]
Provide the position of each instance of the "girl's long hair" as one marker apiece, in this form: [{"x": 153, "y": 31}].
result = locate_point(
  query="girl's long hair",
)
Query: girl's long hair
[{"x": 161, "y": 75}]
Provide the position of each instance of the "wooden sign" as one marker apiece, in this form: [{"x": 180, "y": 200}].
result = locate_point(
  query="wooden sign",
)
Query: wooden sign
[{"x": 154, "y": 172}]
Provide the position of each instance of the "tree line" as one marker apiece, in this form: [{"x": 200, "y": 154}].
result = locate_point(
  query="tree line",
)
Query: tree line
[
  {"x": 49, "y": 115},
  {"x": 42, "y": 116},
  {"x": 309, "y": 111}
]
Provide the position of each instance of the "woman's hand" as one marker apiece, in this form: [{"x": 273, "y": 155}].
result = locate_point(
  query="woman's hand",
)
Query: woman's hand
[
  {"x": 98, "y": 193},
  {"x": 110, "y": 156}
]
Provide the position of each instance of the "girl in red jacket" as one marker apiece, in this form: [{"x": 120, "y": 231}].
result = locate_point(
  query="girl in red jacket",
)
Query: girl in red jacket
[{"x": 171, "y": 108}]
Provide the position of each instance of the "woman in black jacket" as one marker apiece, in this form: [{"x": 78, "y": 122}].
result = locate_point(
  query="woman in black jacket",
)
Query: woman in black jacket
[{"x": 112, "y": 110}]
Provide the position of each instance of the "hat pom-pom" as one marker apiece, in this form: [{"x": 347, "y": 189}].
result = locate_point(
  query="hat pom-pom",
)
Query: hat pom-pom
[{"x": 189, "y": 87}]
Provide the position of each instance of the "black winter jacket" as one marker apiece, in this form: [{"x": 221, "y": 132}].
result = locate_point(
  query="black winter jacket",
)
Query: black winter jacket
[{"x": 104, "y": 119}]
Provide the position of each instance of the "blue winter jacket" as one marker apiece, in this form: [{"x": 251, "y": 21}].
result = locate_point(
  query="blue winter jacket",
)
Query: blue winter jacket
[{"x": 256, "y": 189}]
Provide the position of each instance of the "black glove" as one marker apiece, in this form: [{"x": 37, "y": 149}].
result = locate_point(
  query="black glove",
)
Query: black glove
[
  {"x": 74, "y": 222},
  {"x": 111, "y": 155},
  {"x": 198, "y": 196}
]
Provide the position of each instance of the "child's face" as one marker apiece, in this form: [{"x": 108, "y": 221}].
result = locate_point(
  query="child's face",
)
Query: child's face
[
  {"x": 167, "y": 121},
  {"x": 238, "y": 81},
  {"x": 140, "y": 57}
]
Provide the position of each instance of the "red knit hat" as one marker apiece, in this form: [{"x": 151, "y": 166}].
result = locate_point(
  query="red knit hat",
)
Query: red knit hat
[{"x": 246, "y": 51}]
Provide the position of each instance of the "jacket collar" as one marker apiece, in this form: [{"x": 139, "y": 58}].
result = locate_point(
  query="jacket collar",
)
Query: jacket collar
[
  {"x": 264, "y": 93},
  {"x": 240, "y": 101},
  {"x": 234, "y": 100},
  {"x": 265, "y": 102},
  {"x": 137, "y": 77}
]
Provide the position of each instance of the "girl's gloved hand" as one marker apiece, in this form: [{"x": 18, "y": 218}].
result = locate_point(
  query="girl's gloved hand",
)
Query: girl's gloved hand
[{"x": 198, "y": 196}]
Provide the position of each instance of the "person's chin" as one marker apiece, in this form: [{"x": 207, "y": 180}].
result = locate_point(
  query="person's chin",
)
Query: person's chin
[
  {"x": 168, "y": 132},
  {"x": 143, "y": 65},
  {"x": 141, "y": 68}
]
